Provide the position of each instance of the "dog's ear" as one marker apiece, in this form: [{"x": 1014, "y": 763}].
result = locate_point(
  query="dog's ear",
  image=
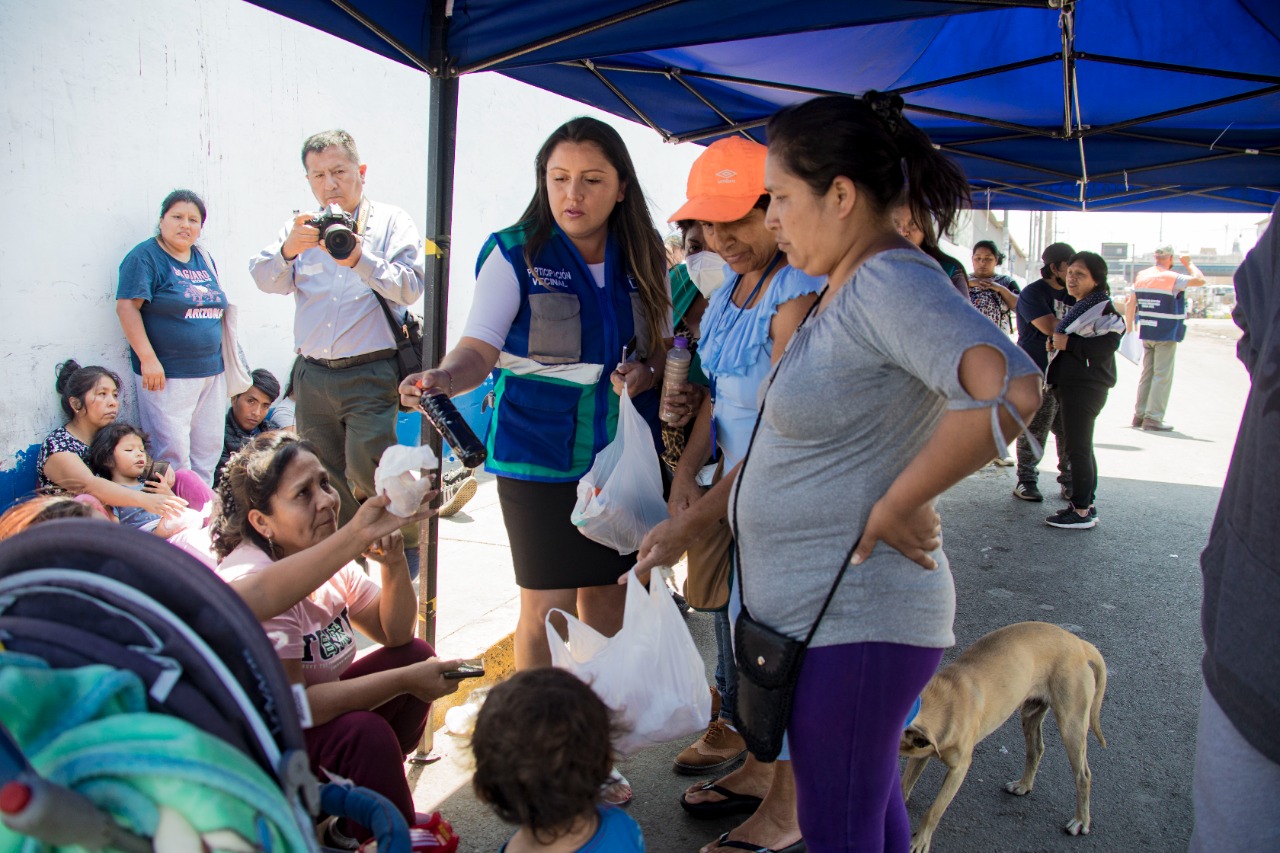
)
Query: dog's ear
[{"x": 916, "y": 738}]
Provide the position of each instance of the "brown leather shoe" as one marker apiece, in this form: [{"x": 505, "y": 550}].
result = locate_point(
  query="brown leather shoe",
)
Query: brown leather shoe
[
  {"x": 1149, "y": 425},
  {"x": 717, "y": 749},
  {"x": 715, "y": 705},
  {"x": 1137, "y": 421}
]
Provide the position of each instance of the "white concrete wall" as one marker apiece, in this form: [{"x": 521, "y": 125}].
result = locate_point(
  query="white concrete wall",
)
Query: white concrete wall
[{"x": 108, "y": 106}]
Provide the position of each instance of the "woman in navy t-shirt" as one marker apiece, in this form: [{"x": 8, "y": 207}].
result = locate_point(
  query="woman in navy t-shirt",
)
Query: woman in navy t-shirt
[{"x": 170, "y": 308}]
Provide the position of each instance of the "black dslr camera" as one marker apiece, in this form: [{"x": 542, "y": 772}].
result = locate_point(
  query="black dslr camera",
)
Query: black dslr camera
[{"x": 337, "y": 231}]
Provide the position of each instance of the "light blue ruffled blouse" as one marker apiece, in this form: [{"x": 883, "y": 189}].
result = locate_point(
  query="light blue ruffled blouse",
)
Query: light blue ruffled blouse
[{"x": 735, "y": 347}]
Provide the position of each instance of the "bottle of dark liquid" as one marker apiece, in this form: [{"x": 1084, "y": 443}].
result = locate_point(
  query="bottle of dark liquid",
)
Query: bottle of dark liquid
[{"x": 448, "y": 421}]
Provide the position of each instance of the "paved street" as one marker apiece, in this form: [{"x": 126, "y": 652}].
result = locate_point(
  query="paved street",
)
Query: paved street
[{"x": 1131, "y": 586}]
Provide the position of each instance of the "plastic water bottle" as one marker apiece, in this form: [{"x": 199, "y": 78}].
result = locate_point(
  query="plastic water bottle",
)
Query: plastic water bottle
[{"x": 678, "y": 360}]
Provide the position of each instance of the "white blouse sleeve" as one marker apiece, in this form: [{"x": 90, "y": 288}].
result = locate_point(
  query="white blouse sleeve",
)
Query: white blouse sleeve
[{"x": 496, "y": 302}]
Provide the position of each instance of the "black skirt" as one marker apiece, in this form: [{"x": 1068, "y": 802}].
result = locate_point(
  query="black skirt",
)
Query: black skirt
[{"x": 547, "y": 550}]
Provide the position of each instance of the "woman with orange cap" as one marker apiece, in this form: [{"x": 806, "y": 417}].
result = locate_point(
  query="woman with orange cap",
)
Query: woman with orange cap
[{"x": 746, "y": 326}]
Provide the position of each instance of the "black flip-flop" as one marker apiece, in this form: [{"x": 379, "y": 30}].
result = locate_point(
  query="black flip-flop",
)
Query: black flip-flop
[
  {"x": 731, "y": 844},
  {"x": 733, "y": 803}
]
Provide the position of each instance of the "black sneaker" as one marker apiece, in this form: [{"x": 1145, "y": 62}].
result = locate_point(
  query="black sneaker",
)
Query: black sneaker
[
  {"x": 456, "y": 488},
  {"x": 1065, "y": 491},
  {"x": 1028, "y": 492},
  {"x": 1069, "y": 519}
]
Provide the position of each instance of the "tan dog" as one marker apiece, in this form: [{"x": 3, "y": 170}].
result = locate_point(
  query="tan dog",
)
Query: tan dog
[{"x": 1032, "y": 665}]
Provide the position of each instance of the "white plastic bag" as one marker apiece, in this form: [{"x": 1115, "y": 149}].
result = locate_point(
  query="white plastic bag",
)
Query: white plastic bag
[
  {"x": 620, "y": 498},
  {"x": 649, "y": 673},
  {"x": 399, "y": 477},
  {"x": 1131, "y": 347}
]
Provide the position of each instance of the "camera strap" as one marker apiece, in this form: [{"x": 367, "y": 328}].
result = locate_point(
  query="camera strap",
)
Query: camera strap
[{"x": 362, "y": 216}]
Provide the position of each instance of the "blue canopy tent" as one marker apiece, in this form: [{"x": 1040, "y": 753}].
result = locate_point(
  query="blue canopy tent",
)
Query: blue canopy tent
[{"x": 1145, "y": 105}]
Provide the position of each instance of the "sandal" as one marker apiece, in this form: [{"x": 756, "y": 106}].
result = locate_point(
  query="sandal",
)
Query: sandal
[
  {"x": 733, "y": 803},
  {"x": 726, "y": 842},
  {"x": 616, "y": 791}
]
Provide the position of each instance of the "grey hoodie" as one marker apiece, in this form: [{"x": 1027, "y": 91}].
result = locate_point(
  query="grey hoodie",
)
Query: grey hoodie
[{"x": 1241, "y": 564}]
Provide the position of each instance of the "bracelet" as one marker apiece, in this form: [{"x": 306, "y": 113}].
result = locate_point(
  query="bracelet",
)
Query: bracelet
[{"x": 450, "y": 375}]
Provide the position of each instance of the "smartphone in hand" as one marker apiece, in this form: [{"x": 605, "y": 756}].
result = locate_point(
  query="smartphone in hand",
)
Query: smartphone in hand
[{"x": 467, "y": 670}]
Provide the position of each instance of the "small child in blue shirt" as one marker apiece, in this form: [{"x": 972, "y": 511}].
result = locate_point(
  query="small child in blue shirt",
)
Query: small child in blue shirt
[{"x": 543, "y": 747}]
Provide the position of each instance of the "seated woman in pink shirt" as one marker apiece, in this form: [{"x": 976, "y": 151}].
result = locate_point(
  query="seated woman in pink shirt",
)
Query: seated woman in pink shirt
[{"x": 280, "y": 548}]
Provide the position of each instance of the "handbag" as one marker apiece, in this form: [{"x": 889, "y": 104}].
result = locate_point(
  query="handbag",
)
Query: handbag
[
  {"x": 769, "y": 662},
  {"x": 408, "y": 336},
  {"x": 234, "y": 365},
  {"x": 710, "y": 564}
]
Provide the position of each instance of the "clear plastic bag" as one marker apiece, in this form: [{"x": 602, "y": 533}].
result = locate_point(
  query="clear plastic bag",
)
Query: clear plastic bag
[
  {"x": 650, "y": 672},
  {"x": 620, "y": 498}
]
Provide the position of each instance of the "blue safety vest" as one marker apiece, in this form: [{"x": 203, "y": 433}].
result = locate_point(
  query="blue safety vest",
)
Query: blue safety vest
[
  {"x": 554, "y": 406},
  {"x": 1162, "y": 307}
]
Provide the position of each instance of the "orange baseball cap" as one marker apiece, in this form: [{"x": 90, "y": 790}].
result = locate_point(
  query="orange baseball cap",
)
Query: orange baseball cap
[{"x": 725, "y": 182}]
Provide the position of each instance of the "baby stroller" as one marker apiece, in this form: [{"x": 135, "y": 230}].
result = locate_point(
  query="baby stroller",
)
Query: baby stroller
[{"x": 143, "y": 708}]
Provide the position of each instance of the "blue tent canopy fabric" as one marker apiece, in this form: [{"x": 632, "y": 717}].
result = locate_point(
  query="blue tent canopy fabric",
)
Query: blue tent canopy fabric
[{"x": 1151, "y": 105}]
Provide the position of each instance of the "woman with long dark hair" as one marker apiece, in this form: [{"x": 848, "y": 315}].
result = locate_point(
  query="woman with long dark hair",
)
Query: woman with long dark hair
[
  {"x": 559, "y": 295},
  {"x": 1082, "y": 369},
  {"x": 891, "y": 391}
]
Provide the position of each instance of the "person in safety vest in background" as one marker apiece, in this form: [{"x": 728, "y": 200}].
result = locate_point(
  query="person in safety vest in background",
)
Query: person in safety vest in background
[{"x": 1159, "y": 301}]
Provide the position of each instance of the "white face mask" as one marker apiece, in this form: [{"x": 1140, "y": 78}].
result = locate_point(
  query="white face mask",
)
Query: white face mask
[{"x": 706, "y": 270}]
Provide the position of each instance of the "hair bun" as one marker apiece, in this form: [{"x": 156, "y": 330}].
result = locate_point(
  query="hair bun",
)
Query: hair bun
[
  {"x": 887, "y": 107},
  {"x": 64, "y": 371}
]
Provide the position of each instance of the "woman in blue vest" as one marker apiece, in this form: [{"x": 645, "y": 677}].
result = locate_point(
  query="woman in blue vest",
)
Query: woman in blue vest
[{"x": 559, "y": 295}]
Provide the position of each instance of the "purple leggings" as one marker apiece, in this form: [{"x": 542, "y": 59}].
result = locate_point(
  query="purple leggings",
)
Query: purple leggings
[
  {"x": 369, "y": 747},
  {"x": 845, "y": 728}
]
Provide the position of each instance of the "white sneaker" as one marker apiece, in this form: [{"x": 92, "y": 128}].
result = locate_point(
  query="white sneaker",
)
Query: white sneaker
[{"x": 456, "y": 488}]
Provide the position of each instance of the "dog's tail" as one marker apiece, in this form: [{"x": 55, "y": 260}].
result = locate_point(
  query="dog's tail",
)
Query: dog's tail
[{"x": 1099, "y": 667}]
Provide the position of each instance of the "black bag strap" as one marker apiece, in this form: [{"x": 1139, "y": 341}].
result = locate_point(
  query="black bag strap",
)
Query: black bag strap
[
  {"x": 737, "y": 486},
  {"x": 397, "y": 328}
]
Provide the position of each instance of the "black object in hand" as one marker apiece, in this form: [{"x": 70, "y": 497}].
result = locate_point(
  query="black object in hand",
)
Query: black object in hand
[
  {"x": 448, "y": 421},
  {"x": 465, "y": 671}
]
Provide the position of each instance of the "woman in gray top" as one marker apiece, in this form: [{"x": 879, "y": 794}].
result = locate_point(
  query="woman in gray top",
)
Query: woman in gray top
[{"x": 892, "y": 391}]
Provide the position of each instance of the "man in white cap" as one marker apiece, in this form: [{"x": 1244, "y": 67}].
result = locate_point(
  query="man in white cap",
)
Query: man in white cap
[{"x": 1158, "y": 306}]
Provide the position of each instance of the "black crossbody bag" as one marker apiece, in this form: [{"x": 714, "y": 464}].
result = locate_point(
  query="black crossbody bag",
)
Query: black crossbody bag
[
  {"x": 407, "y": 334},
  {"x": 768, "y": 662}
]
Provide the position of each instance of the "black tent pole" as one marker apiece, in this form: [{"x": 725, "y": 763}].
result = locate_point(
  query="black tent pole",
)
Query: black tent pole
[{"x": 442, "y": 113}]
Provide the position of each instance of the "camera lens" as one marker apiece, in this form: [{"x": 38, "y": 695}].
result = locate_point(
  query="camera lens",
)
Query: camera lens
[{"x": 340, "y": 241}]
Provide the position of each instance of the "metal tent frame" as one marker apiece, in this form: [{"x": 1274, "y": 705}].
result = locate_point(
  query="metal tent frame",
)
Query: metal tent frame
[{"x": 644, "y": 62}]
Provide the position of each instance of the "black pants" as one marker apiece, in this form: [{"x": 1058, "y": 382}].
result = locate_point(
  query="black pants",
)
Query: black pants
[
  {"x": 1047, "y": 419},
  {"x": 1080, "y": 405}
]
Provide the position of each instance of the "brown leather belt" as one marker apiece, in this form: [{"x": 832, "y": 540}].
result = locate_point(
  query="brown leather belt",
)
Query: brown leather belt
[{"x": 352, "y": 361}]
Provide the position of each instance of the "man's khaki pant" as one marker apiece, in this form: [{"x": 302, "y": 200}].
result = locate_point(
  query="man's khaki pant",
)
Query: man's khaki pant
[
  {"x": 350, "y": 417},
  {"x": 1157, "y": 380}
]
